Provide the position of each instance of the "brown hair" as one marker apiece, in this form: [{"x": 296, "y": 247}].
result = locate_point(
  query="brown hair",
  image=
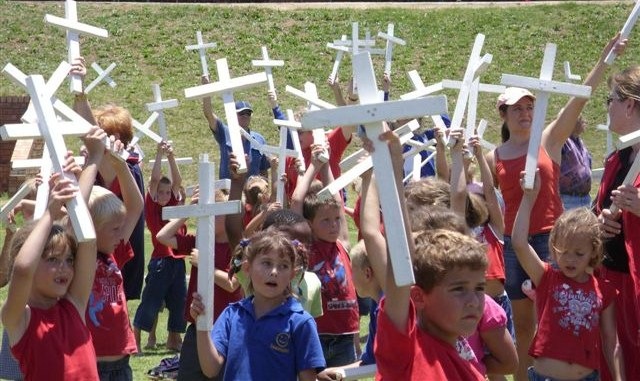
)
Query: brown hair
[
  {"x": 437, "y": 217},
  {"x": 312, "y": 203},
  {"x": 574, "y": 224},
  {"x": 626, "y": 84},
  {"x": 115, "y": 120},
  {"x": 255, "y": 189},
  {"x": 440, "y": 251}
]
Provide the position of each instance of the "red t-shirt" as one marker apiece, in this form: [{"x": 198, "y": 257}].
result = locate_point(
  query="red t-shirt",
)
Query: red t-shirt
[
  {"x": 331, "y": 263},
  {"x": 495, "y": 249},
  {"x": 415, "y": 354},
  {"x": 548, "y": 206},
  {"x": 107, "y": 316},
  {"x": 222, "y": 298},
  {"x": 569, "y": 318},
  {"x": 153, "y": 218},
  {"x": 56, "y": 345},
  {"x": 337, "y": 145}
]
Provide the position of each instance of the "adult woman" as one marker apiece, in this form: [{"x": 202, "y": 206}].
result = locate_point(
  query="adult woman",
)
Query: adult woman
[
  {"x": 515, "y": 106},
  {"x": 621, "y": 265}
]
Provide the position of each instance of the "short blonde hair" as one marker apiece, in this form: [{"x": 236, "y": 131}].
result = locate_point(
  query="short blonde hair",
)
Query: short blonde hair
[
  {"x": 115, "y": 120},
  {"x": 574, "y": 224},
  {"x": 104, "y": 206}
]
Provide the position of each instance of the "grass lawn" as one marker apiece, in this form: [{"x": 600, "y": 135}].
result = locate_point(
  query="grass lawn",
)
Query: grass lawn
[{"x": 147, "y": 42}]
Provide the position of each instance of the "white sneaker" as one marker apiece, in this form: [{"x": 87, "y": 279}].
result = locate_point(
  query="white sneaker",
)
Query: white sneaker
[{"x": 527, "y": 288}]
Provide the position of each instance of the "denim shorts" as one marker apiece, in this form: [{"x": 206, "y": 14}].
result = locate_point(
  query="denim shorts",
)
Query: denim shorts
[
  {"x": 514, "y": 273},
  {"x": 572, "y": 202},
  {"x": 504, "y": 302},
  {"x": 9, "y": 367},
  {"x": 338, "y": 350},
  {"x": 118, "y": 370},
  {"x": 535, "y": 376}
]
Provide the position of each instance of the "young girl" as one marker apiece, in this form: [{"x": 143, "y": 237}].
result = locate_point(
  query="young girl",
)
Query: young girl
[
  {"x": 48, "y": 294},
  {"x": 576, "y": 312},
  {"x": 268, "y": 335}
]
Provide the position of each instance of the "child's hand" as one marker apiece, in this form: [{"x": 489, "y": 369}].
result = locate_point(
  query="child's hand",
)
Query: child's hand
[
  {"x": 193, "y": 257},
  {"x": 94, "y": 142},
  {"x": 386, "y": 82},
  {"x": 117, "y": 147},
  {"x": 167, "y": 148},
  {"x": 204, "y": 79},
  {"x": 531, "y": 194},
  {"x": 333, "y": 83},
  {"x": 197, "y": 307},
  {"x": 272, "y": 207},
  {"x": 273, "y": 161},
  {"x": 393, "y": 141},
  {"x": 458, "y": 135},
  {"x": 62, "y": 191},
  {"x": 233, "y": 167},
  {"x": 78, "y": 67},
  {"x": 609, "y": 223},
  {"x": 71, "y": 166},
  {"x": 316, "y": 152},
  {"x": 475, "y": 146},
  {"x": 439, "y": 134},
  {"x": 196, "y": 195}
]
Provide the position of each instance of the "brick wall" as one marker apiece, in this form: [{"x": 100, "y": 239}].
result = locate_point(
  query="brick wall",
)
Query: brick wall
[{"x": 11, "y": 109}]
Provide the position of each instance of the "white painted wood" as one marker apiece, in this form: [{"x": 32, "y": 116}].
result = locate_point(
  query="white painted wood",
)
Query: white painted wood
[
  {"x": 357, "y": 373},
  {"x": 318, "y": 134},
  {"x": 627, "y": 140},
  {"x": 631, "y": 177},
  {"x": 338, "y": 60},
  {"x": 178, "y": 160},
  {"x": 568, "y": 76},
  {"x": 314, "y": 100},
  {"x": 626, "y": 30},
  {"x": 53, "y": 84},
  {"x": 596, "y": 174},
  {"x": 544, "y": 86},
  {"x": 381, "y": 157},
  {"x": 282, "y": 165},
  {"x": 268, "y": 64},
  {"x": 205, "y": 212},
  {"x": 391, "y": 40},
  {"x": 605, "y": 127},
  {"x": 42, "y": 193},
  {"x": 263, "y": 148},
  {"x": 77, "y": 208},
  {"x": 38, "y": 163},
  {"x": 103, "y": 75},
  {"x": 225, "y": 87},
  {"x": 414, "y": 175},
  {"x": 145, "y": 129},
  {"x": 16, "y": 131},
  {"x": 159, "y": 105},
  {"x": 484, "y": 87},
  {"x": 482, "y": 127},
  {"x": 201, "y": 47},
  {"x": 20, "y": 194},
  {"x": 74, "y": 29},
  {"x": 296, "y": 142}
]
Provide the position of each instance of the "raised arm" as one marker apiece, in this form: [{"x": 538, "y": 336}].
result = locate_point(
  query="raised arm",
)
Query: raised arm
[
  {"x": 496, "y": 218},
  {"x": 81, "y": 103},
  {"x": 610, "y": 346},
  {"x": 559, "y": 130},
  {"x": 442, "y": 167},
  {"x": 233, "y": 222},
  {"x": 374, "y": 241},
  {"x": 334, "y": 84},
  {"x": 131, "y": 196},
  {"x": 304, "y": 181},
  {"x": 156, "y": 172},
  {"x": 176, "y": 177},
  {"x": 207, "y": 109},
  {"x": 211, "y": 361},
  {"x": 527, "y": 257},
  {"x": 457, "y": 179}
]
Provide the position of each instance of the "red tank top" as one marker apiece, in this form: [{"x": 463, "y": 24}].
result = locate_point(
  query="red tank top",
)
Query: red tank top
[{"x": 548, "y": 205}]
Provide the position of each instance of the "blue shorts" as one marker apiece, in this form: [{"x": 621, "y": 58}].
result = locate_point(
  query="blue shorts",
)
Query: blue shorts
[
  {"x": 165, "y": 282},
  {"x": 118, "y": 370},
  {"x": 572, "y": 202},
  {"x": 514, "y": 273},
  {"x": 535, "y": 376},
  {"x": 9, "y": 367},
  {"x": 504, "y": 302},
  {"x": 338, "y": 350}
]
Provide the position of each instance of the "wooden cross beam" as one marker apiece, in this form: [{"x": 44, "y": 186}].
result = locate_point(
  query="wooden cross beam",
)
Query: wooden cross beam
[
  {"x": 20, "y": 194},
  {"x": 370, "y": 49},
  {"x": 201, "y": 47},
  {"x": 568, "y": 76},
  {"x": 205, "y": 211},
  {"x": 544, "y": 86},
  {"x": 420, "y": 90},
  {"x": 372, "y": 113},
  {"x": 77, "y": 208},
  {"x": 159, "y": 105},
  {"x": 319, "y": 136},
  {"x": 358, "y": 373},
  {"x": 336, "y": 64},
  {"x": 391, "y": 40},
  {"x": 295, "y": 139},
  {"x": 226, "y": 86},
  {"x": 282, "y": 165},
  {"x": 74, "y": 30},
  {"x": 103, "y": 75},
  {"x": 312, "y": 100},
  {"x": 268, "y": 64},
  {"x": 626, "y": 30},
  {"x": 145, "y": 129},
  {"x": 482, "y": 127},
  {"x": 605, "y": 127},
  {"x": 263, "y": 148},
  {"x": 42, "y": 193},
  {"x": 416, "y": 160}
]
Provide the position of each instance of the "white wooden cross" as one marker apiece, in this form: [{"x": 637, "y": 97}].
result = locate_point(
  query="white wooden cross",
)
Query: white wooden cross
[
  {"x": 311, "y": 99},
  {"x": 605, "y": 127},
  {"x": 391, "y": 40},
  {"x": 420, "y": 90},
  {"x": 412, "y": 156},
  {"x": 268, "y": 63},
  {"x": 226, "y": 86},
  {"x": 42, "y": 193},
  {"x": 201, "y": 47},
  {"x": 358, "y": 373},
  {"x": 318, "y": 134},
  {"x": 103, "y": 75},
  {"x": 282, "y": 165},
  {"x": 371, "y": 113},
  {"x": 205, "y": 211},
  {"x": 159, "y": 105},
  {"x": 76, "y": 207},
  {"x": 568, "y": 76},
  {"x": 482, "y": 127},
  {"x": 544, "y": 86},
  {"x": 336, "y": 64},
  {"x": 20, "y": 194},
  {"x": 144, "y": 129},
  {"x": 370, "y": 48},
  {"x": 626, "y": 30},
  {"x": 624, "y": 142},
  {"x": 483, "y": 88},
  {"x": 295, "y": 139},
  {"x": 74, "y": 29},
  {"x": 264, "y": 148}
]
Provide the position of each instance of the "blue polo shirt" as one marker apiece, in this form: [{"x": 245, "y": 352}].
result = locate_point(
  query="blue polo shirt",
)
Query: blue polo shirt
[
  {"x": 276, "y": 346},
  {"x": 257, "y": 162}
]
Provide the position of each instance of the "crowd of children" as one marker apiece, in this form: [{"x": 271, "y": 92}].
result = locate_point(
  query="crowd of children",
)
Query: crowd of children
[{"x": 287, "y": 281}]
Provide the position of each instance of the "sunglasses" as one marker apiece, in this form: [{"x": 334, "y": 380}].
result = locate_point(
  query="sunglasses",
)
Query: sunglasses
[{"x": 245, "y": 113}]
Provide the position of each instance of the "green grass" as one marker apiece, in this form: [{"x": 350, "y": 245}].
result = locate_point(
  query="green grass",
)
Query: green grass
[{"x": 147, "y": 43}]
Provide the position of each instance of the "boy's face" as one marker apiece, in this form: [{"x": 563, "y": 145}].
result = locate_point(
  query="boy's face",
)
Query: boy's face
[
  {"x": 110, "y": 235},
  {"x": 163, "y": 194},
  {"x": 326, "y": 223},
  {"x": 361, "y": 280},
  {"x": 454, "y": 306}
]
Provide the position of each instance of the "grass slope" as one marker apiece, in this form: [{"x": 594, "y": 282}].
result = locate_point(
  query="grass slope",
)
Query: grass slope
[{"x": 147, "y": 42}]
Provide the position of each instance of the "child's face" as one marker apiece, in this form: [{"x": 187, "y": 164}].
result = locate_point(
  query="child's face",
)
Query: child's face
[
  {"x": 453, "y": 307},
  {"x": 520, "y": 115},
  {"x": 573, "y": 257},
  {"x": 110, "y": 235},
  {"x": 270, "y": 274},
  {"x": 164, "y": 194},
  {"x": 361, "y": 280},
  {"x": 326, "y": 223},
  {"x": 54, "y": 273}
]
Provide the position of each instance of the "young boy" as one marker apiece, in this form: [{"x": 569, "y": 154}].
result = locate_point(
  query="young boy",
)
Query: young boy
[
  {"x": 165, "y": 280},
  {"x": 107, "y": 316},
  {"x": 419, "y": 325},
  {"x": 339, "y": 325}
]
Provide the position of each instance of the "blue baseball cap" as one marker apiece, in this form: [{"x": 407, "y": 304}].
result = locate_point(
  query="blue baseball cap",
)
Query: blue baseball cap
[{"x": 242, "y": 106}]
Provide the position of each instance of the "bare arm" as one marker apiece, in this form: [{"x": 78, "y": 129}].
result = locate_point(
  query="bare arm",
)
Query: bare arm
[
  {"x": 210, "y": 360},
  {"x": 442, "y": 168},
  {"x": 496, "y": 218},
  {"x": 610, "y": 345},
  {"x": 176, "y": 177},
  {"x": 457, "y": 180},
  {"x": 527, "y": 257},
  {"x": 81, "y": 103},
  {"x": 502, "y": 357},
  {"x": 131, "y": 196},
  {"x": 233, "y": 222},
  {"x": 207, "y": 109},
  {"x": 374, "y": 241},
  {"x": 558, "y": 131},
  {"x": 337, "y": 91},
  {"x": 156, "y": 172},
  {"x": 304, "y": 182}
]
